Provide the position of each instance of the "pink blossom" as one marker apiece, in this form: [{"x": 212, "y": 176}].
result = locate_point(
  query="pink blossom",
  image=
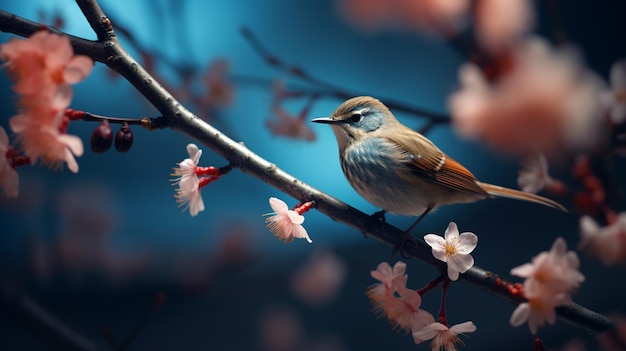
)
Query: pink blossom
[
  {"x": 219, "y": 91},
  {"x": 294, "y": 127},
  {"x": 431, "y": 16},
  {"x": 43, "y": 67},
  {"x": 443, "y": 337},
  {"x": 394, "y": 301},
  {"x": 188, "y": 191},
  {"x": 284, "y": 223},
  {"x": 9, "y": 180},
  {"x": 501, "y": 24},
  {"x": 44, "y": 62},
  {"x": 546, "y": 102},
  {"x": 607, "y": 243},
  {"x": 454, "y": 249},
  {"x": 320, "y": 280},
  {"x": 535, "y": 177},
  {"x": 551, "y": 277}
]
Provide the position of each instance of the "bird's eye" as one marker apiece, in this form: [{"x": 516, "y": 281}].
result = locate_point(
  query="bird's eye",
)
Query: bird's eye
[{"x": 356, "y": 117}]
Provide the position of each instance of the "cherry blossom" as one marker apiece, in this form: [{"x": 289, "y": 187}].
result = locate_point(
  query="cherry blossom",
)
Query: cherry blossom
[
  {"x": 443, "y": 337},
  {"x": 294, "y": 127},
  {"x": 394, "y": 301},
  {"x": 551, "y": 277},
  {"x": 607, "y": 243},
  {"x": 219, "y": 91},
  {"x": 43, "y": 67},
  {"x": 454, "y": 249},
  {"x": 431, "y": 16},
  {"x": 320, "y": 280},
  {"x": 284, "y": 223},
  {"x": 500, "y": 24},
  {"x": 534, "y": 177},
  {"x": 188, "y": 191},
  {"x": 9, "y": 179},
  {"x": 546, "y": 101}
]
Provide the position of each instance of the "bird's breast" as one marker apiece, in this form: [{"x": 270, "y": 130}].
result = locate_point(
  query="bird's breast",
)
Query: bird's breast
[{"x": 378, "y": 170}]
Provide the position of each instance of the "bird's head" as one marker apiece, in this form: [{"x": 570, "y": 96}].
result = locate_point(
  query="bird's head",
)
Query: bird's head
[{"x": 358, "y": 118}]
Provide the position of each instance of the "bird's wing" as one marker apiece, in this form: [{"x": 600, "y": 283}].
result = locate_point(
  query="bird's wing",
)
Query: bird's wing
[{"x": 431, "y": 163}]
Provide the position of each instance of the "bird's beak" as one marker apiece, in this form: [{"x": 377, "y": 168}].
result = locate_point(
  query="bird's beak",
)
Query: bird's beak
[{"x": 326, "y": 120}]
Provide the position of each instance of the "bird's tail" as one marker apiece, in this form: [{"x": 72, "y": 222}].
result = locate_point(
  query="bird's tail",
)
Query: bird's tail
[{"x": 499, "y": 191}]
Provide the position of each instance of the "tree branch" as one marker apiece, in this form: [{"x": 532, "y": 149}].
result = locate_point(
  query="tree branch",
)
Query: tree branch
[
  {"x": 178, "y": 117},
  {"x": 34, "y": 317}
]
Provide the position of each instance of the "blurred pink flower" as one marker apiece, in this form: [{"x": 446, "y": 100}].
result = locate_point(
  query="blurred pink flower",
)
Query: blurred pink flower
[
  {"x": 219, "y": 91},
  {"x": 188, "y": 191},
  {"x": 284, "y": 223},
  {"x": 394, "y": 301},
  {"x": 9, "y": 179},
  {"x": 501, "y": 24},
  {"x": 551, "y": 277},
  {"x": 430, "y": 16},
  {"x": 546, "y": 102},
  {"x": 454, "y": 249},
  {"x": 606, "y": 243},
  {"x": 43, "y": 67},
  {"x": 320, "y": 280},
  {"x": 294, "y": 127},
  {"x": 617, "y": 96},
  {"x": 443, "y": 337},
  {"x": 534, "y": 177}
]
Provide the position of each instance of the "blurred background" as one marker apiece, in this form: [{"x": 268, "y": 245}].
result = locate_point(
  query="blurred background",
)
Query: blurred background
[{"x": 108, "y": 252}]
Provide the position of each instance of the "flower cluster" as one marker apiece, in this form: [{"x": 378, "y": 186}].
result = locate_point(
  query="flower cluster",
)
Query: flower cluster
[
  {"x": 401, "y": 306},
  {"x": 43, "y": 68},
  {"x": 551, "y": 277},
  {"x": 544, "y": 101},
  {"x": 393, "y": 300}
]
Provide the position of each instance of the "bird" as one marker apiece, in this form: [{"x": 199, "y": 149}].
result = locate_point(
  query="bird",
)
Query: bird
[{"x": 400, "y": 170}]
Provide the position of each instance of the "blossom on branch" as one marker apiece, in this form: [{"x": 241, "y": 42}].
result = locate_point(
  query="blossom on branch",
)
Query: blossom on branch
[
  {"x": 454, "y": 249},
  {"x": 43, "y": 67},
  {"x": 393, "y": 300},
  {"x": 286, "y": 224},
  {"x": 606, "y": 243},
  {"x": 188, "y": 191},
  {"x": 551, "y": 277},
  {"x": 443, "y": 337},
  {"x": 9, "y": 179},
  {"x": 545, "y": 101}
]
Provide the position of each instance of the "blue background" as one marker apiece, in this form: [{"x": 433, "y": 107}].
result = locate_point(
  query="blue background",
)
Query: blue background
[{"x": 126, "y": 202}]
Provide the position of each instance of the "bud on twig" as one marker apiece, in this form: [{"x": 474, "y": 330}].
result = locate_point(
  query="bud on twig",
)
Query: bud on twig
[
  {"x": 124, "y": 138},
  {"x": 102, "y": 137}
]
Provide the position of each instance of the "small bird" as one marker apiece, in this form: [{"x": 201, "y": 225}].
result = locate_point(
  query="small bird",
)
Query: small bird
[{"x": 400, "y": 170}]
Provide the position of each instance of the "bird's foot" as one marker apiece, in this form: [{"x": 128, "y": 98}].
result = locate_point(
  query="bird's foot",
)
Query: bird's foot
[
  {"x": 400, "y": 245},
  {"x": 377, "y": 219}
]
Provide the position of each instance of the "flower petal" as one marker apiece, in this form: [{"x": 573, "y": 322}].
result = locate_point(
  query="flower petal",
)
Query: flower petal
[
  {"x": 520, "y": 315},
  {"x": 467, "y": 243},
  {"x": 462, "y": 262},
  {"x": 466, "y": 327},
  {"x": 452, "y": 232},
  {"x": 77, "y": 69},
  {"x": 278, "y": 205}
]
